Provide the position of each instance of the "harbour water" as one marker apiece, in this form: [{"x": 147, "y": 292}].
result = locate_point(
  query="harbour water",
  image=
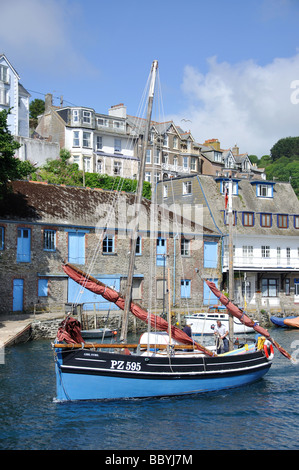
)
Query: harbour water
[{"x": 261, "y": 416}]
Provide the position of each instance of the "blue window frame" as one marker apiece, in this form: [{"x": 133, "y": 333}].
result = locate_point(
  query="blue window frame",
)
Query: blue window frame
[
  {"x": 266, "y": 219},
  {"x": 248, "y": 219},
  {"x": 185, "y": 288},
  {"x": 77, "y": 247},
  {"x": 43, "y": 287},
  {"x": 210, "y": 255},
  {"x": 226, "y": 219},
  {"x": 139, "y": 246},
  {"x": 224, "y": 185},
  {"x": 24, "y": 245},
  {"x": 282, "y": 221},
  {"x": 49, "y": 240},
  {"x": 264, "y": 190},
  {"x": 296, "y": 221}
]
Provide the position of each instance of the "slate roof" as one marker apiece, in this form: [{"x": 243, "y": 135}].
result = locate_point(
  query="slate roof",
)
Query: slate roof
[
  {"x": 284, "y": 201},
  {"x": 84, "y": 207}
]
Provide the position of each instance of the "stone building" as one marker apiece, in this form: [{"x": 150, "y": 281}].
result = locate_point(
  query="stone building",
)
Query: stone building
[
  {"x": 265, "y": 234},
  {"x": 42, "y": 226}
]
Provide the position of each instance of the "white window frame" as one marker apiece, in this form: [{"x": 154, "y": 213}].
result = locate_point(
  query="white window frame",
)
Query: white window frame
[
  {"x": 86, "y": 139},
  {"x": 99, "y": 142},
  {"x": 187, "y": 187},
  {"x": 75, "y": 115},
  {"x": 117, "y": 145},
  {"x": 76, "y": 138},
  {"x": 265, "y": 251},
  {"x": 117, "y": 168},
  {"x": 102, "y": 122},
  {"x": 86, "y": 116}
]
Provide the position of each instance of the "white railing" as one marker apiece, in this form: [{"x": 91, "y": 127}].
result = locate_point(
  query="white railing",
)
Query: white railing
[
  {"x": 175, "y": 168},
  {"x": 262, "y": 263}
]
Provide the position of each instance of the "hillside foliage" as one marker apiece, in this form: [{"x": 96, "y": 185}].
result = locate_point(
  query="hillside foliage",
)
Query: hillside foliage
[{"x": 60, "y": 171}]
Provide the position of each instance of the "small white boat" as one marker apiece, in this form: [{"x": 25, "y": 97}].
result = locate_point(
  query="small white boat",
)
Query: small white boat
[
  {"x": 98, "y": 333},
  {"x": 203, "y": 323}
]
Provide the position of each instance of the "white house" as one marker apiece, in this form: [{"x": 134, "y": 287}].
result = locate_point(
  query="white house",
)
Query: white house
[
  {"x": 14, "y": 96},
  {"x": 99, "y": 143},
  {"x": 265, "y": 235}
]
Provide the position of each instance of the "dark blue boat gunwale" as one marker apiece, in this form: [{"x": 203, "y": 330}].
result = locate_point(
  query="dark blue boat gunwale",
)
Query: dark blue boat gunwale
[{"x": 161, "y": 368}]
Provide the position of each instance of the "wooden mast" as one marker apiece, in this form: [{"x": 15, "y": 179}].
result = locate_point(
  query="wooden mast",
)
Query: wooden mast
[
  {"x": 128, "y": 299},
  {"x": 231, "y": 262}
]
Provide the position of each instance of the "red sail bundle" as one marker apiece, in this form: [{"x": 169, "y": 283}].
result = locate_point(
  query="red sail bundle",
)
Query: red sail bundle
[
  {"x": 111, "y": 295},
  {"x": 236, "y": 312}
]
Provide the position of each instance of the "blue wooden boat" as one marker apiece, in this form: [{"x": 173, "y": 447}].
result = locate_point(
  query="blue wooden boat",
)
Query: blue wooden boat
[
  {"x": 97, "y": 372},
  {"x": 285, "y": 322},
  {"x": 94, "y": 374}
]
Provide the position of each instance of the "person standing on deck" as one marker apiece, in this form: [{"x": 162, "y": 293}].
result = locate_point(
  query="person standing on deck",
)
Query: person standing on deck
[{"x": 221, "y": 334}]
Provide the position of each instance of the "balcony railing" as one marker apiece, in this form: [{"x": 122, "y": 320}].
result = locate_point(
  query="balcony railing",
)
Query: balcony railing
[
  {"x": 175, "y": 168},
  {"x": 262, "y": 263}
]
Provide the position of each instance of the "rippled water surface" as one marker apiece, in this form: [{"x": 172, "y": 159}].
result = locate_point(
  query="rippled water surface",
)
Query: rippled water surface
[{"x": 264, "y": 415}]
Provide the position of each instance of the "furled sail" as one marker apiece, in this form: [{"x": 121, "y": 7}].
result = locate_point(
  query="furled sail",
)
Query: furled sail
[
  {"x": 111, "y": 295},
  {"x": 238, "y": 313}
]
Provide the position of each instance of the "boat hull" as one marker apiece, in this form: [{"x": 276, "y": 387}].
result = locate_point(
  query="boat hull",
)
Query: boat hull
[
  {"x": 96, "y": 375},
  {"x": 204, "y": 323},
  {"x": 285, "y": 322},
  {"x": 98, "y": 333}
]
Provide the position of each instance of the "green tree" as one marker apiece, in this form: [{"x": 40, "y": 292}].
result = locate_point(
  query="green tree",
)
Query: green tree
[
  {"x": 253, "y": 158},
  {"x": 285, "y": 169},
  {"x": 60, "y": 171},
  {"x": 286, "y": 147},
  {"x": 36, "y": 108},
  {"x": 8, "y": 146},
  {"x": 264, "y": 161},
  {"x": 11, "y": 167}
]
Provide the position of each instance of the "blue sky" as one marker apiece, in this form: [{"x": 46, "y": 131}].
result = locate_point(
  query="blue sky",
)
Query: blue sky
[{"x": 226, "y": 67}]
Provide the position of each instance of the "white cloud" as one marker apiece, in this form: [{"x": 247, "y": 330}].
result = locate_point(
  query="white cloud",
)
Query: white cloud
[
  {"x": 41, "y": 34},
  {"x": 243, "y": 103}
]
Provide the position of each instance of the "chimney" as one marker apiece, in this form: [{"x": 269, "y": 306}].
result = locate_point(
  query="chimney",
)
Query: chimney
[
  {"x": 235, "y": 150},
  {"x": 48, "y": 102},
  {"x": 118, "y": 110},
  {"x": 213, "y": 143}
]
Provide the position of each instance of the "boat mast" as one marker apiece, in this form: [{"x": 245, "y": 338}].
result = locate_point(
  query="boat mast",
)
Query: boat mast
[
  {"x": 231, "y": 261},
  {"x": 128, "y": 299}
]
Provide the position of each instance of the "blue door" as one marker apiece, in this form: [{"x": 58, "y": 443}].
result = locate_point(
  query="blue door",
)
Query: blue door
[
  {"x": 18, "y": 295},
  {"x": 208, "y": 297},
  {"x": 23, "y": 245},
  {"x": 185, "y": 288},
  {"x": 78, "y": 294},
  {"x": 161, "y": 251},
  {"x": 77, "y": 247}
]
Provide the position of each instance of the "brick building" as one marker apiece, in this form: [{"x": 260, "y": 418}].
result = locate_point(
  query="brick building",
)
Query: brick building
[{"x": 42, "y": 225}]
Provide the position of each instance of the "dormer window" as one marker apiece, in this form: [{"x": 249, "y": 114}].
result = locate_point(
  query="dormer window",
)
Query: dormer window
[
  {"x": 217, "y": 157},
  {"x": 264, "y": 190},
  {"x": 87, "y": 117},
  {"x": 224, "y": 186},
  {"x": 75, "y": 115}
]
